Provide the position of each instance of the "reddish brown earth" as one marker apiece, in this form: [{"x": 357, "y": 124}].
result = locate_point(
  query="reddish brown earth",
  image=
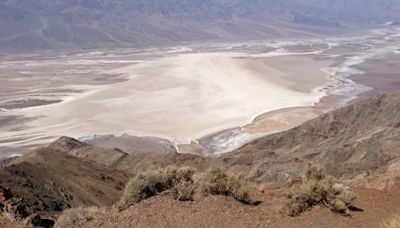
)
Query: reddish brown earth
[
  {"x": 219, "y": 211},
  {"x": 7, "y": 223}
]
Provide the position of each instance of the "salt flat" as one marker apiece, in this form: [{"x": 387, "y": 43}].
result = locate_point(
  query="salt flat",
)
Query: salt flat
[
  {"x": 184, "y": 97},
  {"x": 214, "y": 97}
]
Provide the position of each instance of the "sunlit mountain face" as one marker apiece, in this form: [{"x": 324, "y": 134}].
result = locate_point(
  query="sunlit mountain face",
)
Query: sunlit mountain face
[{"x": 43, "y": 24}]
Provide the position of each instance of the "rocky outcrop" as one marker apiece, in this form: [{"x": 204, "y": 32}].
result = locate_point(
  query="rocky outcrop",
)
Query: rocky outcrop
[{"x": 67, "y": 144}]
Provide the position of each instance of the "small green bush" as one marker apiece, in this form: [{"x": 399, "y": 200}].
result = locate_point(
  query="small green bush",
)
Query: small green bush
[
  {"x": 217, "y": 182},
  {"x": 318, "y": 189}
]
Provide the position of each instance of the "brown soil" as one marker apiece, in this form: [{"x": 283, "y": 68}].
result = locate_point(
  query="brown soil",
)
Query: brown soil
[
  {"x": 219, "y": 211},
  {"x": 7, "y": 223}
]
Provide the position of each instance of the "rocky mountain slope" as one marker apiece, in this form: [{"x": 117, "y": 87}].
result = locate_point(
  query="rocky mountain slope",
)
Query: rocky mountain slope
[
  {"x": 44, "y": 24},
  {"x": 361, "y": 139},
  {"x": 132, "y": 144},
  {"x": 107, "y": 157},
  {"x": 47, "y": 181},
  {"x": 355, "y": 141}
]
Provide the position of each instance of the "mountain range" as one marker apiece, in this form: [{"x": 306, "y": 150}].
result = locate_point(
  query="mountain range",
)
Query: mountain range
[{"x": 54, "y": 24}]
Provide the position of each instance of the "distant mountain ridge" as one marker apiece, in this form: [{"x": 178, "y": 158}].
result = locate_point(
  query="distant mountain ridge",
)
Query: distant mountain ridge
[{"x": 43, "y": 24}]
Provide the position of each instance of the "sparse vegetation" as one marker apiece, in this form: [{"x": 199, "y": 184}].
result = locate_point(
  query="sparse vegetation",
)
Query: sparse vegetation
[
  {"x": 77, "y": 216},
  {"x": 178, "y": 181},
  {"x": 239, "y": 190},
  {"x": 319, "y": 189},
  {"x": 214, "y": 182},
  {"x": 183, "y": 186},
  {"x": 142, "y": 187},
  {"x": 217, "y": 182}
]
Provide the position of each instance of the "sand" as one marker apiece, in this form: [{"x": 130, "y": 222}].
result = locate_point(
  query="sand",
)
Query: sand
[{"x": 182, "y": 97}]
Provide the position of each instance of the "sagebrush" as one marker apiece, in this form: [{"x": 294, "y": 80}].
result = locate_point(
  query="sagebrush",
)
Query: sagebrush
[
  {"x": 178, "y": 181},
  {"x": 218, "y": 182},
  {"x": 78, "y": 216},
  {"x": 319, "y": 189}
]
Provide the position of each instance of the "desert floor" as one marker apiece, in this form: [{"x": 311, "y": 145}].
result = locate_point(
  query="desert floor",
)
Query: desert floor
[{"x": 217, "y": 98}]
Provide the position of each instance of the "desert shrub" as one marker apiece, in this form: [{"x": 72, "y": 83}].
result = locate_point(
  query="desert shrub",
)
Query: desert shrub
[
  {"x": 178, "y": 181},
  {"x": 142, "y": 187},
  {"x": 238, "y": 190},
  {"x": 394, "y": 222},
  {"x": 313, "y": 172},
  {"x": 217, "y": 182},
  {"x": 183, "y": 186},
  {"x": 183, "y": 191},
  {"x": 77, "y": 216},
  {"x": 214, "y": 182},
  {"x": 183, "y": 174},
  {"x": 319, "y": 189}
]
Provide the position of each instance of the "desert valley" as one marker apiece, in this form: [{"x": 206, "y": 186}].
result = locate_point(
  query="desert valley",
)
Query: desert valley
[
  {"x": 203, "y": 113},
  {"x": 189, "y": 96}
]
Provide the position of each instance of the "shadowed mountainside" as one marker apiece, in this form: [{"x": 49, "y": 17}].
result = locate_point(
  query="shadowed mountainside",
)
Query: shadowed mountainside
[{"x": 47, "y": 181}]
